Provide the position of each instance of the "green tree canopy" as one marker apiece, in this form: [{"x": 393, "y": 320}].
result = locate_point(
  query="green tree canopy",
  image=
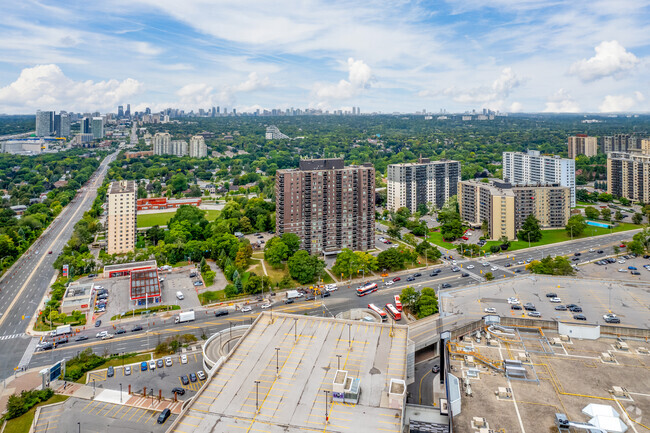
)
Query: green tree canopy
[
  {"x": 305, "y": 268},
  {"x": 530, "y": 230}
]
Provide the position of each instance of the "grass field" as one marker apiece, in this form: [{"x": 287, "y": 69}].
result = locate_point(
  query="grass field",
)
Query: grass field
[
  {"x": 160, "y": 219},
  {"x": 23, "y": 423},
  {"x": 436, "y": 239}
]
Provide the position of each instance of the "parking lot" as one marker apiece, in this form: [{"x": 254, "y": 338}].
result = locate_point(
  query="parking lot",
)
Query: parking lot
[
  {"x": 619, "y": 270},
  {"x": 98, "y": 416},
  {"x": 179, "y": 280},
  {"x": 165, "y": 378}
]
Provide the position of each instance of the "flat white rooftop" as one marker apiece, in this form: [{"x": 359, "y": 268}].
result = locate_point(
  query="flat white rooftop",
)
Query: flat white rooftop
[{"x": 307, "y": 362}]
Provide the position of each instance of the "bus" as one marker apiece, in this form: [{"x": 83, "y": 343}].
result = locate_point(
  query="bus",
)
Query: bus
[
  {"x": 368, "y": 288},
  {"x": 381, "y": 313},
  {"x": 398, "y": 303},
  {"x": 396, "y": 315}
]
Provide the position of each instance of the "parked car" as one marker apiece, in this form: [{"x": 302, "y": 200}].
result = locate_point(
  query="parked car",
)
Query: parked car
[
  {"x": 185, "y": 380},
  {"x": 613, "y": 320},
  {"x": 490, "y": 310},
  {"x": 143, "y": 366},
  {"x": 192, "y": 377},
  {"x": 528, "y": 306},
  {"x": 576, "y": 309},
  {"x": 160, "y": 363},
  {"x": 515, "y": 307},
  {"x": 560, "y": 308},
  {"x": 551, "y": 295},
  {"x": 110, "y": 372},
  {"x": 152, "y": 365},
  {"x": 534, "y": 314},
  {"x": 198, "y": 283},
  {"x": 201, "y": 375},
  {"x": 183, "y": 359},
  {"x": 178, "y": 390},
  {"x": 164, "y": 415},
  {"x": 127, "y": 370},
  {"x": 579, "y": 317}
]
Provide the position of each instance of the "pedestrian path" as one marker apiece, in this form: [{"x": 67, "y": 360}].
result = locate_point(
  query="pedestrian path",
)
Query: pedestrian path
[
  {"x": 12, "y": 336},
  {"x": 29, "y": 352}
]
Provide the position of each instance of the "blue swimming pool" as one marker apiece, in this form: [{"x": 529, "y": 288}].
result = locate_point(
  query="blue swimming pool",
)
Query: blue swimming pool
[{"x": 596, "y": 224}]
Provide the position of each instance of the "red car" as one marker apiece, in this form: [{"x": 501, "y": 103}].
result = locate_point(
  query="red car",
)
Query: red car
[
  {"x": 50, "y": 252},
  {"x": 396, "y": 279},
  {"x": 622, "y": 246},
  {"x": 465, "y": 238}
]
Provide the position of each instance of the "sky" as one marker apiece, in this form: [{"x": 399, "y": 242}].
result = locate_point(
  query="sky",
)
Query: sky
[{"x": 382, "y": 56}]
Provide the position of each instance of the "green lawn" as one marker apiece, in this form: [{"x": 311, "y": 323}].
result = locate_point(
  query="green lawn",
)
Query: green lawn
[
  {"x": 160, "y": 219},
  {"x": 436, "y": 239},
  {"x": 23, "y": 423}
]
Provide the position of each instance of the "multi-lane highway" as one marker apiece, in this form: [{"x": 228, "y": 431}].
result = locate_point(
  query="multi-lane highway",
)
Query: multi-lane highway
[{"x": 23, "y": 287}]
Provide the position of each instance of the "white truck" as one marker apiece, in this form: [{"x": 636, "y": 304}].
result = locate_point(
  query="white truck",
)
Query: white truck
[
  {"x": 293, "y": 294},
  {"x": 188, "y": 316},
  {"x": 61, "y": 330}
]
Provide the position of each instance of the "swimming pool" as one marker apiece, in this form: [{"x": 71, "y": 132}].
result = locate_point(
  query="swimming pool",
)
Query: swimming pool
[{"x": 596, "y": 224}]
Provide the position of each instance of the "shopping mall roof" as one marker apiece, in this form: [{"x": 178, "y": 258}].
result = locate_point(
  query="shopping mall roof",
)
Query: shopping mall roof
[{"x": 306, "y": 351}]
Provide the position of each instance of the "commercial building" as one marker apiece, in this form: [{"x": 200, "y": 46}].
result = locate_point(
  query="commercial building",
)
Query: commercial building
[
  {"x": 505, "y": 207},
  {"x": 294, "y": 373},
  {"x": 198, "y": 148},
  {"x": 98, "y": 128},
  {"x": 532, "y": 168},
  {"x": 124, "y": 269},
  {"x": 425, "y": 182},
  {"x": 122, "y": 216},
  {"x": 328, "y": 205},
  {"x": 77, "y": 297},
  {"x": 44, "y": 123},
  {"x": 628, "y": 175},
  {"x": 165, "y": 203},
  {"x": 144, "y": 287},
  {"x": 620, "y": 143},
  {"x": 582, "y": 144},
  {"x": 26, "y": 146},
  {"x": 273, "y": 133}
]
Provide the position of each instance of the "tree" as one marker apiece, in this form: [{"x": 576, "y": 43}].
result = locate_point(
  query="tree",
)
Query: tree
[
  {"x": 606, "y": 213},
  {"x": 530, "y": 230},
  {"x": 391, "y": 259},
  {"x": 427, "y": 250},
  {"x": 305, "y": 268},
  {"x": 636, "y": 247},
  {"x": 178, "y": 183},
  {"x": 244, "y": 253},
  {"x": 292, "y": 241},
  {"x": 452, "y": 229},
  {"x": 485, "y": 227},
  {"x": 427, "y": 303},
  {"x": 495, "y": 249},
  {"x": 489, "y": 276},
  {"x": 576, "y": 225},
  {"x": 420, "y": 230},
  {"x": 591, "y": 212},
  {"x": 618, "y": 215},
  {"x": 394, "y": 232},
  {"x": 558, "y": 266},
  {"x": 624, "y": 201},
  {"x": 275, "y": 253},
  {"x": 423, "y": 209},
  {"x": 603, "y": 196},
  {"x": 409, "y": 297},
  {"x": 245, "y": 224},
  {"x": 637, "y": 218}
]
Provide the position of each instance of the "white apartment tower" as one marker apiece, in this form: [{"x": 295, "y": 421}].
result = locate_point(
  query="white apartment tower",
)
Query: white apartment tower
[
  {"x": 161, "y": 143},
  {"x": 532, "y": 168},
  {"x": 122, "y": 215},
  {"x": 424, "y": 182},
  {"x": 198, "y": 149}
]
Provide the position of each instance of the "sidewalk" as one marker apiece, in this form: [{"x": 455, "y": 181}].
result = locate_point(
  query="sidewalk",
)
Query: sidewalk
[{"x": 21, "y": 382}]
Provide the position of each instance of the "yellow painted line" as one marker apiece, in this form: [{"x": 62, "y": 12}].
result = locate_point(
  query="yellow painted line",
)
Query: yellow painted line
[
  {"x": 144, "y": 412},
  {"x": 127, "y": 411},
  {"x": 133, "y": 414},
  {"x": 150, "y": 416},
  {"x": 187, "y": 423},
  {"x": 110, "y": 409}
]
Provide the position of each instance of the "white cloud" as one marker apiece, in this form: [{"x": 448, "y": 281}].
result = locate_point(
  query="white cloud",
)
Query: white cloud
[
  {"x": 516, "y": 107},
  {"x": 611, "y": 59},
  {"x": 619, "y": 103},
  {"x": 46, "y": 87},
  {"x": 254, "y": 82},
  {"x": 201, "y": 95},
  {"x": 145, "y": 48},
  {"x": 359, "y": 79},
  {"x": 561, "y": 102}
]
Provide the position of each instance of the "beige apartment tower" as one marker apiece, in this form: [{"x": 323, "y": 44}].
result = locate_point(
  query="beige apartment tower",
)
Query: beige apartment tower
[
  {"x": 121, "y": 220},
  {"x": 582, "y": 144},
  {"x": 628, "y": 175},
  {"x": 505, "y": 207},
  {"x": 329, "y": 206}
]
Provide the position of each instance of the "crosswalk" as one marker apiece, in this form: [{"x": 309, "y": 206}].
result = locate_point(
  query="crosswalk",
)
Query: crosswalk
[{"x": 11, "y": 336}]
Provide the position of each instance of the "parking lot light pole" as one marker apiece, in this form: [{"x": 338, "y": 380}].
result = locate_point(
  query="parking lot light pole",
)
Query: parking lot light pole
[
  {"x": 338, "y": 362},
  {"x": 277, "y": 361},
  {"x": 257, "y": 387},
  {"x": 79, "y": 425},
  {"x": 93, "y": 389},
  {"x": 327, "y": 395},
  {"x": 120, "y": 393}
]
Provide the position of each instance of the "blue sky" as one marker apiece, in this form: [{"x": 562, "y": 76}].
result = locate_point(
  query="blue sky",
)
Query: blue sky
[{"x": 513, "y": 56}]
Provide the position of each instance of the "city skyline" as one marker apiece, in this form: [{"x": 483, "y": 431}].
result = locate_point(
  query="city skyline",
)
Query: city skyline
[{"x": 528, "y": 56}]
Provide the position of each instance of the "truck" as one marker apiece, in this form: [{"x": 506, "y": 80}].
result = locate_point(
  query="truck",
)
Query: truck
[
  {"x": 293, "y": 294},
  {"x": 61, "y": 330},
  {"x": 187, "y": 316}
]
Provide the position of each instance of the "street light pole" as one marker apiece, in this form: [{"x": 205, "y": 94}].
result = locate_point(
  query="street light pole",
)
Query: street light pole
[
  {"x": 120, "y": 393},
  {"x": 257, "y": 387},
  {"x": 277, "y": 361},
  {"x": 326, "y": 399}
]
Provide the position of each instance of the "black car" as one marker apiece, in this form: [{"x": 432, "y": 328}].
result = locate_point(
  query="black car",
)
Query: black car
[
  {"x": 136, "y": 328},
  {"x": 517, "y": 271},
  {"x": 507, "y": 265},
  {"x": 575, "y": 259},
  {"x": 192, "y": 377},
  {"x": 288, "y": 301},
  {"x": 417, "y": 275},
  {"x": 576, "y": 309},
  {"x": 579, "y": 317},
  {"x": 464, "y": 274},
  {"x": 178, "y": 390},
  {"x": 515, "y": 307},
  {"x": 326, "y": 294},
  {"x": 81, "y": 338},
  {"x": 529, "y": 307},
  {"x": 551, "y": 295},
  {"x": 47, "y": 346},
  {"x": 571, "y": 305},
  {"x": 92, "y": 275},
  {"x": 164, "y": 415},
  {"x": 433, "y": 274},
  {"x": 577, "y": 254},
  {"x": 560, "y": 308},
  {"x": 599, "y": 251},
  {"x": 221, "y": 312},
  {"x": 110, "y": 372},
  {"x": 98, "y": 324},
  {"x": 310, "y": 298},
  {"x": 184, "y": 380},
  {"x": 120, "y": 331},
  {"x": 435, "y": 369},
  {"x": 446, "y": 285},
  {"x": 613, "y": 320},
  {"x": 410, "y": 279}
]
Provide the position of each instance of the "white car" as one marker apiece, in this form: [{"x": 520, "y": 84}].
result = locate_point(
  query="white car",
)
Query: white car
[
  {"x": 513, "y": 301},
  {"x": 453, "y": 262},
  {"x": 490, "y": 310},
  {"x": 183, "y": 359},
  {"x": 591, "y": 250},
  {"x": 389, "y": 283},
  {"x": 99, "y": 287},
  {"x": 622, "y": 270},
  {"x": 494, "y": 268},
  {"x": 265, "y": 306},
  {"x": 152, "y": 365},
  {"x": 246, "y": 309},
  {"x": 556, "y": 300},
  {"x": 168, "y": 361},
  {"x": 520, "y": 262},
  {"x": 101, "y": 334},
  {"x": 485, "y": 264},
  {"x": 609, "y": 316},
  {"x": 621, "y": 261},
  {"x": 200, "y": 374},
  {"x": 470, "y": 267},
  {"x": 127, "y": 370},
  {"x": 107, "y": 336},
  {"x": 332, "y": 289}
]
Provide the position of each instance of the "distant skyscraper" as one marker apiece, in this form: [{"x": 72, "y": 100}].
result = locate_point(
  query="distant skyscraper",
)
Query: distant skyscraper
[
  {"x": 120, "y": 111},
  {"x": 581, "y": 144},
  {"x": 619, "y": 143},
  {"x": 62, "y": 124},
  {"x": 98, "y": 128},
  {"x": 198, "y": 149},
  {"x": 214, "y": 111},
  {"x": 44, "y": 123},
  {"x": 85, "y": 126},
  {"x": 147, "y": 110},
  {"x": 218, "y": 108},
  {"x": 128, "y": 110},
  {"x": 161, "y": 143}
]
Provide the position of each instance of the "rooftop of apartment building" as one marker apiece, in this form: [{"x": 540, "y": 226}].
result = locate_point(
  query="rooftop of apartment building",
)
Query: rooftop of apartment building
[
  {"x": 284, "y": 372},
  {"x": 324, "y": 164},
  {"x": 520, "y": 377},
  {"x": 422, "y": 160},
  {"x": 505, "y": 187},
  {"x": 122, "y": 187}
]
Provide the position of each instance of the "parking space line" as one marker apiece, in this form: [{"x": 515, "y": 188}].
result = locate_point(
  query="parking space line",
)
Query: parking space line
[
  {"x": 144, "y": 412},
  {"x": 111, "y": 408},
  {"x": 127, "y": 411},
  {"x": 150, "y": 417},
  {"x": 134, "y": 413}
]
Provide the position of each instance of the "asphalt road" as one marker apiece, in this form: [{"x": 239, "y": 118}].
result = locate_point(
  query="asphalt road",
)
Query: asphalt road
[{"x": 23, "y": 287}]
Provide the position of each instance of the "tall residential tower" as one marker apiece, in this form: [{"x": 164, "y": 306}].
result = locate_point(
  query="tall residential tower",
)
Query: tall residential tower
[{"x": 122, "y": 215}]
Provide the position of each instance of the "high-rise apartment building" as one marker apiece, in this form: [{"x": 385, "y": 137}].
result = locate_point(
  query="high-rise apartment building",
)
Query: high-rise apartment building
[
  {"x": 582, "y": 144},
  {"x": 161, "y": 143},
  {"x": 122, "y": 216},
  {"x": 98, "y": 128},
  {"x": 505, "y": 207},
  {"x": 198, "y": 148},
  {"x": 619, "y": 143},
  {"x": 128, "y": 110},
  {"x": 178, "y": 148},
  {"x": 62, "y": 124},
  {"x": 426, "y": 182},
  {"x": 328, "y": 205},
  {"x": 44, "y": 123},
  {"x": 628, "y": 175},
  {"x": 120, "y": 111},
  {"x": 532, "y": 168},
  {"x": 85, "y": 127}
]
